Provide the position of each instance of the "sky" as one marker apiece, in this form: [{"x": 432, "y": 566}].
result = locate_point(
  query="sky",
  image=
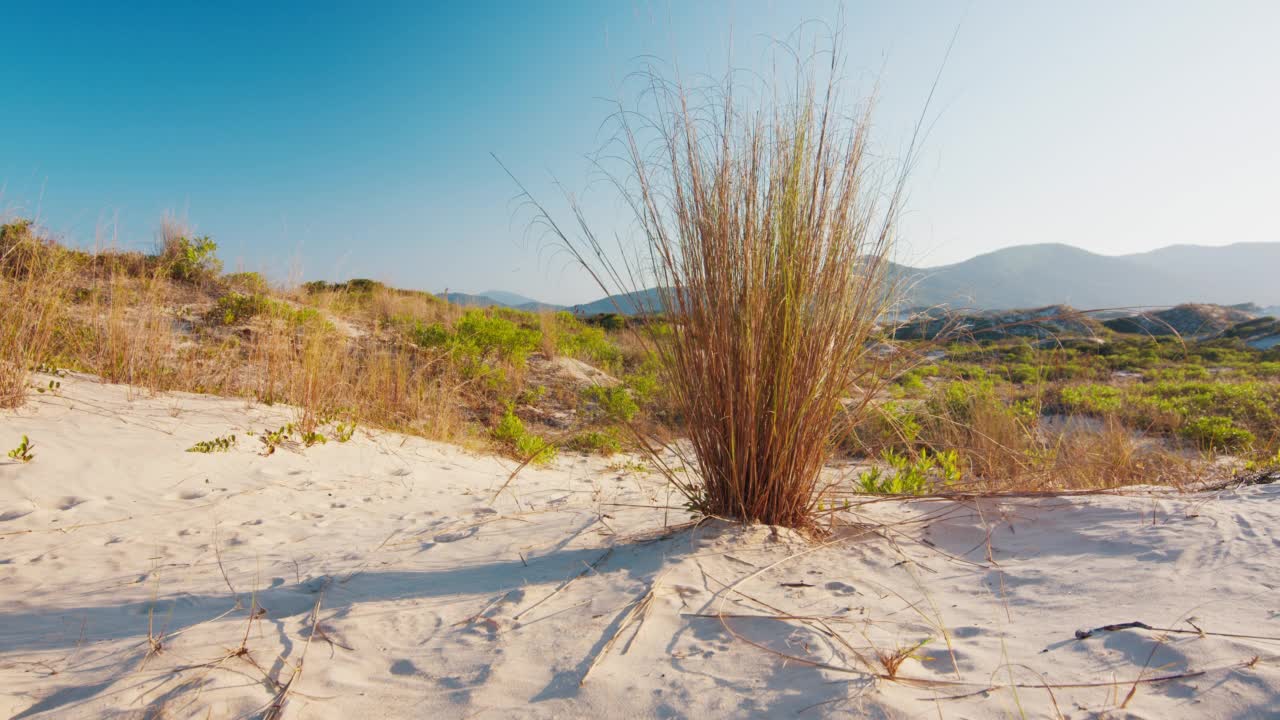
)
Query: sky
[{"x": 326, "y": 140}]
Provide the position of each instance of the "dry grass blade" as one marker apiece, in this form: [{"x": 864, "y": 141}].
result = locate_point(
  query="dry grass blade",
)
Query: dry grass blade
[
  {"x": 276, "y": 709},
  {"x": 639, "y": 610},
  {"x": 585, "y": 571}
]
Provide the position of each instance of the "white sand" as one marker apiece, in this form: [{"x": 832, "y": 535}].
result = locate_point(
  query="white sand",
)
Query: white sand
[{"x": 435, "y": 603}]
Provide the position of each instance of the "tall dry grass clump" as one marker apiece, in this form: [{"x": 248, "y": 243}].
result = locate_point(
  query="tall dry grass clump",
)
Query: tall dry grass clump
[
  {"x": 33, "y": 286},
  {"x": 766, "y": 228}
]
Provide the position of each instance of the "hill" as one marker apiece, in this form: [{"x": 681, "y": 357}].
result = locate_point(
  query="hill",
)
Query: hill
[
  {"x": 1030, "y": 276},
  {"x": 628, "y": 304},
  {"x": 498, "y": 298},
  {"x": 468, "y": 300},
  {"x": 1035, "y": 275},
  {"x": 1185, "y": 320}
]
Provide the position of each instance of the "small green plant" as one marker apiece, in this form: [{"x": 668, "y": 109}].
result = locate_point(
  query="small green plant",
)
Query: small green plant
[
  {"x": 313, "y": 438},
  {"x": 512, "y": 433},
  {"x": 892, "y": 660},
  {"x": 343, "y": 431},
  {"x": 23, "y": 453},
  {"x": 910, "y": 476},
  {"x": 271, "y": 439},
  {"x": 949, "y": 466},
  {"x": 218, "y": 444},
  {"x": 53, "y": 386},
  {"x": 49, "y": 369}
]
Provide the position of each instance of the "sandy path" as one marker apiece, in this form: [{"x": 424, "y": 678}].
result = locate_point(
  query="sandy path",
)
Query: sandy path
[{"x": 435, "y": 603}]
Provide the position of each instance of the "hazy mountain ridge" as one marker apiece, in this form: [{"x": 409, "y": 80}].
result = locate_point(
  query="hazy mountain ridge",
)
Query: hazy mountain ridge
[
  {"x": 1030, "y": 276},
  {"x": 1047, "y": 274}
]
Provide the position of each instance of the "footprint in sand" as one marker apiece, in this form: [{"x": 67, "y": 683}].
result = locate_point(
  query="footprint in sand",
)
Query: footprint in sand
[
  {"x": 404, "y": 667},
  {"x": 456, "y": 535},
  {"x": 69, "y": 502},
  {"x": 191, "y": 494},
  {"x": 8, "y": 515},
  {"x": 840, "y": 588}
]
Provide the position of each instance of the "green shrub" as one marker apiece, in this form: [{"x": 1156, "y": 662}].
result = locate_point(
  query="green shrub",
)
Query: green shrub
[
  {"x": 615, "y": 403},
  {"x": 1217, "y": 433},
  {"x": 644, "y": 384},
  {"x": 237, "y": 307},
  {"x": 1091, "y": 399},
  {"x": 249, "y": 282},
  {"x": 584, "y": 342},
  {"x": 479, "y": 338},
  {"x": 192, "y": 259},
  {"x": 511, "y": 433},
  {"x": 601, "y": 442}
]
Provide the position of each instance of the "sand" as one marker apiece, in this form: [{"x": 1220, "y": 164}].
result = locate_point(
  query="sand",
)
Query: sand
[{"x": 383, "y": 580}]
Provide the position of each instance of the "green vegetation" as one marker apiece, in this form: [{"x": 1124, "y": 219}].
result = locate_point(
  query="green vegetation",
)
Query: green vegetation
[
  {"x": 23, "y": 453},
  {"x": 615, "y": 403},
  {"x": 234, "y": 308},
  {"x": 912, "y": 475},
  {"x": 218, "y": 444},
  {"x": 511, "y": 433},
  {"x": 1025, "y": 414},
  {"x": 599, "y": 442},
  {"x": 343, "y": 431},
  {"x": 191, "y": 259},
  {"x": 480, "y": 338},
  {"x": 584, "y": 342}
]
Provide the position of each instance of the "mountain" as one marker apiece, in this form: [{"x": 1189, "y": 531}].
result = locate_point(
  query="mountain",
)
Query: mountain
[
  {"x": 1034, "y": 275},
  {"x": 467, "y": 300},
  {"x": 628, "y": 303},
  {"x": 1030, "y": 276},
  {"x": 497, "y": 298},
  {"x": 509, "y": 299}
]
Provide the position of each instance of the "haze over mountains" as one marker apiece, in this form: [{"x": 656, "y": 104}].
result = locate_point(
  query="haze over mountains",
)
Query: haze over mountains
[{"x": 1028, "y": 276}]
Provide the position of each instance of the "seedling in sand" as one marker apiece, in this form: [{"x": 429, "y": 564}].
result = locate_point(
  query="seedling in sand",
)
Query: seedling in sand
[
  {"x": 342, "y": 432},
  {"x": 893, "y": 660},
  {"x": 911, "y": 476},
  {"x": 22, "y": 453},
  {"x": 313, "y": 438},
  {"x": 274, "y": 438},
  {"x": 220, "y": 444}
]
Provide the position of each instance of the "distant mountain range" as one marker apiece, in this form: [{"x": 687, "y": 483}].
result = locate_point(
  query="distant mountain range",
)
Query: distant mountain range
[
  {"x": 1028, "y": 276},
  {"x": 1033, "y": 275}
]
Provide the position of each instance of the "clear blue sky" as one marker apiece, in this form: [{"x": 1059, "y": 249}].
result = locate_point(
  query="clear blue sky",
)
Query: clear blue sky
[{"x": 334, "y": 140}]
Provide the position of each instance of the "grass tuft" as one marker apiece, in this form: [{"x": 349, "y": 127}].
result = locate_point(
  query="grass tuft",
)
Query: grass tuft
[{"x": 766, "y": 231}]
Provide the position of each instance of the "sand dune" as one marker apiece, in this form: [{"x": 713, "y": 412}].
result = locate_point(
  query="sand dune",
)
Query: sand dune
[{"x": 383, "y": 580}]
